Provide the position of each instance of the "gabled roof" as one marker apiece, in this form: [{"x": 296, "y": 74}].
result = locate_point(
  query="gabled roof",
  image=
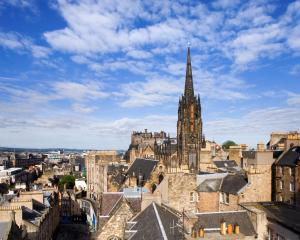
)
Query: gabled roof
[
  {"x": 277, "y": 154},
  {"x": 213, "y": 220},
  {"x": 210, "y": 185},
  {"x": 290, "y": 157},
  {"x": 37, "y": 206},
  {"x": 31, "y": 215},
  {"x": 233, "y": 184},
  {"x": 144, "y": 166},
  {"x": 282, "y": 213},
  {"x": 109, "y": 201},
  {"x": 155, "y": 222},
  {"x": 135, "y": 204}
]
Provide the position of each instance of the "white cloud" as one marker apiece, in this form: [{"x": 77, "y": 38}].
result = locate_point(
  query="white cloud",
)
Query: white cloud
[
  {"x": 10, "y": 40},
  {"x": 81, "y": 108},
  {"x": 78, "y": 91},
  {"x": 293, "y": 39},
  {"x": 156, "y": 91},
  {"x": 80, "y": 97},
  {"x": 293, "y": 99},
  {"x": 19, "y": 3},
  {"x": 255, "y": 43},
  {"x": 254, "y": 126},
  {"x": 245, "y": 34},
  {"x": 139, "y": 54},
  {"x": 20, "y": 43},
  {"x": 295, "y": 70}
]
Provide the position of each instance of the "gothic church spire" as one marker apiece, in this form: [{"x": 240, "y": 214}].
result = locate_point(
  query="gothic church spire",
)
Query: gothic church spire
[{"x": 189, "y": 88}]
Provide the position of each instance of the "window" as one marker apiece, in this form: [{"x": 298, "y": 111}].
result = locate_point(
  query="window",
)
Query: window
[
  {"x": 292, "y": 186},
  {"x": 192, "y": 197},
  {"x": 280, "y": 185},
  {"x": 290, "y": 171},
  {"x": 279, "y": 171},
  {"x": 197, "y": 197},
  {"x": 224, "y": 198},
  {"x": 279, "y": 198}
]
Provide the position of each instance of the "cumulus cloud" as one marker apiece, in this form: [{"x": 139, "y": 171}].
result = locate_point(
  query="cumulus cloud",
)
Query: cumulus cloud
[
  {"x": 156, "y": 91},
  {"x": 254, "y": 126}
]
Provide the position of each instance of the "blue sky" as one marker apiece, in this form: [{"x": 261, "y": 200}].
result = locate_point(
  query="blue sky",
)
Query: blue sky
[{"x": 85, "y": 74}]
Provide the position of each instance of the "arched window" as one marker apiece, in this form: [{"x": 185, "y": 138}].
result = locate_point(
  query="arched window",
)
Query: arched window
[
  {"x": 153, "y": 188},
  {"x": 160, "y": 178},
  {"x": 113, "y": 238}
]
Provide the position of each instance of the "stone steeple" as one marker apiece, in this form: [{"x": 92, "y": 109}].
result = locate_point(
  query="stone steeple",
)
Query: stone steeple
[
  {"x": 189, "y": 88},
  {"x": 189, "y": 124}
]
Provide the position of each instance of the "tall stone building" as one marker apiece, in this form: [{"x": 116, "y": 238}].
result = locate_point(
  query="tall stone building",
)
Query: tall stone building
[
  {"x": 189, "y": 125},
  {"x": 96, "y": 163}
]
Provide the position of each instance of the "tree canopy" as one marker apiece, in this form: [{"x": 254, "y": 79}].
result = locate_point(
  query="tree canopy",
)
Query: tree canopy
[
  {"x": 228, "y": 143},
  {"x": 69, "y": 180}
]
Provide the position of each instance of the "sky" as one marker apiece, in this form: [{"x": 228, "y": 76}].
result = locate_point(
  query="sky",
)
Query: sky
[{"x": 85, "y": 74}]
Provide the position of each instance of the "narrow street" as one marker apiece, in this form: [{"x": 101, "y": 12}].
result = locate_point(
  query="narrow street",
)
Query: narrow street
[{"x": 72, "y": 232}]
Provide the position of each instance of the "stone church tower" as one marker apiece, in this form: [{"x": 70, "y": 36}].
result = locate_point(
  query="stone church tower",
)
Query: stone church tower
[{"x": 189, "y": 125}]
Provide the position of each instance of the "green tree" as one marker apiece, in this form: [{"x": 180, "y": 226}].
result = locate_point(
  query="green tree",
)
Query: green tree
[
  {"x": 69, "y": 180},
  {"x": 226, "y": 145}
]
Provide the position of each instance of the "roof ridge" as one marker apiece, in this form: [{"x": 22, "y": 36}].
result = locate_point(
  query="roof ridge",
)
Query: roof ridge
[{"x": 159, "y": 222}]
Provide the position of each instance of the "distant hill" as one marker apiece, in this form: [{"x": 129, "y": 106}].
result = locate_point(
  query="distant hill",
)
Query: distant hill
[{"x": 44, "y": 150}]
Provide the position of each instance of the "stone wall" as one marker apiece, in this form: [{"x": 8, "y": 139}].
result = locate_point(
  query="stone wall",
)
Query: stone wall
[
  {"x": 232, "y": 204},
  {"x": 259, "y": 188},
  {"x": 37, "y": 195},
  {"x": 235, "y": 153},
  {"x": 297, "y": 184},
  {"x": 177, "y": 189},
  {"x": 208, "y": 202}
]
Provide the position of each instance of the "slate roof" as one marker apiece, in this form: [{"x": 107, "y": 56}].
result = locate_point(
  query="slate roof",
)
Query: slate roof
[
  {"x": 225, "y": 164},
  {"x": 248, "y": 154},
  {"x": 213, "y": 220},
  {"x": 210, "y": 185},
  {"x": 145, "y": 166},
  {"x": 30, "y": 215},
  {"x": 4, "y": 228},
  {"x": 37, "y": 206},
  {"x": 277, "y": 154},
  {"x": 290, "y": 157},
  {"x": 282, "y": 213},
  {"x": 135, "y": 204},
  {"x": 154, "y": 223},
  {"x": 112, "y": 168},
  {"x": 109, "y": 201},
  {"x": 233, "y": 184}
]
